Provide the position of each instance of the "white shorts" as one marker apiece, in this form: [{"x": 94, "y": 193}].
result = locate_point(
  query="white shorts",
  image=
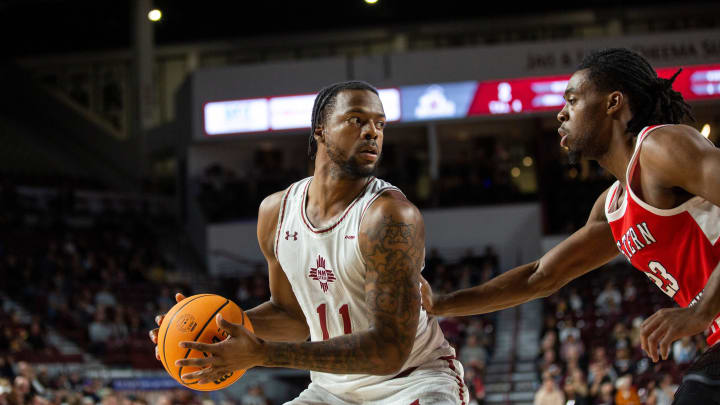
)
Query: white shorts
[{"x": 439, "y": 382}]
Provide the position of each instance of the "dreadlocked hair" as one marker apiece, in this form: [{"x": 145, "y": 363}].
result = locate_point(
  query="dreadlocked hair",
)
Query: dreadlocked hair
[
  {"x": 324, "y": 103},
  {"x": 652, "y": 99}
]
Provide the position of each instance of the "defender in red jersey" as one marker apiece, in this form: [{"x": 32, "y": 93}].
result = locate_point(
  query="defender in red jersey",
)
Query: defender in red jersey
[{"x": 663, "y": 213}]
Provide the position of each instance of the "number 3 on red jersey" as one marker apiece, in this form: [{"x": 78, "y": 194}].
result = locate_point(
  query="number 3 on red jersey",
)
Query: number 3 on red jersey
[{"x": 664, "y": 280}]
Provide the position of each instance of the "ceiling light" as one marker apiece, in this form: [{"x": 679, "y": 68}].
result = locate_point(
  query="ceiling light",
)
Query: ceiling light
[
  {"x": 705, "y": 131},
  {"x": 155, "y": 15}
]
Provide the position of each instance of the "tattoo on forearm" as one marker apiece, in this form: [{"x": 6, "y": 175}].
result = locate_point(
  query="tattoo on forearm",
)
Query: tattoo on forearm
[{"x": 393, "y": 253}]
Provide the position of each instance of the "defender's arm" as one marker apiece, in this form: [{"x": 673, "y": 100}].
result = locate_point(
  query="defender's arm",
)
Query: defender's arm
[{"x": 587, "y": 249}]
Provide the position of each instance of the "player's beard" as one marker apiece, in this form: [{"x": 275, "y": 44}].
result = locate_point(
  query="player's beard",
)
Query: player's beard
[
  {"x": 349, "y": 168},
  {"x": 587, "y": 146}
]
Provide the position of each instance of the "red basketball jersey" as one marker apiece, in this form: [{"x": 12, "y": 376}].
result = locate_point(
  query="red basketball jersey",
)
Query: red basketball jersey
[{"x": 676, "y": 248}]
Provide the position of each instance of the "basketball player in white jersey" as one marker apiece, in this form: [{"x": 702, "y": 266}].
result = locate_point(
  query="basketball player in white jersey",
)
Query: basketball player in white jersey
[{"x": 344, "y": 252}]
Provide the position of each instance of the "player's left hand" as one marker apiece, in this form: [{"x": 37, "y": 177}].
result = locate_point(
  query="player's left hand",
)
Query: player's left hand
[
  {"x": 241, "y": 350},
  {"x": 668, "y": 325}
]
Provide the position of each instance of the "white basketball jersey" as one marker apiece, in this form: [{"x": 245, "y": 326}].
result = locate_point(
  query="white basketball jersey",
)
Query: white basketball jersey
[{"x": 327, "y": 274}]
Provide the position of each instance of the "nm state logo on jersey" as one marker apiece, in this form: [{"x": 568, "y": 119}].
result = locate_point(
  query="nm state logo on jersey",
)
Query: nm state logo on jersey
[{"x": 322, "y": 274}]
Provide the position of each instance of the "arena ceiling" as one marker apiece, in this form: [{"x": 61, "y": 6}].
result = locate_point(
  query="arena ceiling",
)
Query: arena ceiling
[{"x": 59, "y": 26}]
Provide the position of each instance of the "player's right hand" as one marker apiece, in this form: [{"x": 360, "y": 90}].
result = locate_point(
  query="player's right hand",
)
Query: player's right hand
[{"x": 158, "y": 319}]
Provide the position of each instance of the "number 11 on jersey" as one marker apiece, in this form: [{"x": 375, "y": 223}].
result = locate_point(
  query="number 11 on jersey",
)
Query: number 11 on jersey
[{"x": 344, "y": 312}]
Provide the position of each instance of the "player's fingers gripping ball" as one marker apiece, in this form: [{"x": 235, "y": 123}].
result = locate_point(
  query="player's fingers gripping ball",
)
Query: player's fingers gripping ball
[{"x": 193, "y": 319}]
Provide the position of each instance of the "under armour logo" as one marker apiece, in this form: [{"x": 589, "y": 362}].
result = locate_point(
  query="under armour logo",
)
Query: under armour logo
[{"x": 288, "y": 236}]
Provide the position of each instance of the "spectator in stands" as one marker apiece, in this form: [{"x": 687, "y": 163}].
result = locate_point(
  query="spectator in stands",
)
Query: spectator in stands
[
  {"x": 576, "y": 303},
  {"x": 657, "y": 395},
  {"x": 5, "y": 391},
  {"x": 626, "y": 394},
  {"x": 27, "y": 371},
  {"x": 572, "y": 349},
  {"x": 105, "y": 298},
  {"x": 85, "y": 305},
  {"x": 549, "y": 393},
  {"x": 20, "y": 394},
  {"x": 621, "y": 336},
  {"x": 433, "y": 260},
  {"x": 600, "y": 372},
  {"x": 451, "y": 328},
  {"x": 166, "y": 299},
  {"x": 471, "y": 259},
  {"x": 254, "y": 396},
  {"x": 604, "y": 394},
  {"x": 550, "y": 341},
  {"x": 99, "y": 332},
  {"x": 491, "y": 257},
  {"x": 473, "y": 353},
  {"x": 609, "y": 299},
  {"x": 466, "y": 278},
  {"x": 630, "y": 292},
  {"x": 567, "y": 329},
  {"x": 487, "y": 271},
  {"x": 475, "y": 384},
  {"x": 550, "y": 364},
  {"x": 666, "y": 392},
  {"x": 6, "y": 370},
  {"x": 684, "y": 351},
  {"x": 635, "y": 331},
  {"x": 576, "y": 388},
  {"x": 623, "y": 363},
  {"x": 119, "y": 325},
  {"x": 479, "y": 329},
  {"x": 36, "y": 336},
  {"x": 57, "y": 302},
  {"x": 561, "y": 308}
]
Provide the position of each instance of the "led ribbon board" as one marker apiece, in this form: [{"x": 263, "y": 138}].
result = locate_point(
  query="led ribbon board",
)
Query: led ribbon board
[
  {"x": 275, "y": 113},
  {"x": 435, "y": 101}
]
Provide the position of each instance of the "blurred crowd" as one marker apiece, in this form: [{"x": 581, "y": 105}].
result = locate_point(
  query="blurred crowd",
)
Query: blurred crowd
[
  {"x": 100, "y": 287},
  {"x": 473, "y": 337},
  {"x": 590, "y": 348},
  {"x": 22, "y": 384},
  {"x": 25, "y": 384},
  {"x": 226, "y": 194}
]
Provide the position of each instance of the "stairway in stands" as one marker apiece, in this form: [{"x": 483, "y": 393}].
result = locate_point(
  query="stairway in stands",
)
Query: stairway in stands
[{"x": 510, "y": 377}]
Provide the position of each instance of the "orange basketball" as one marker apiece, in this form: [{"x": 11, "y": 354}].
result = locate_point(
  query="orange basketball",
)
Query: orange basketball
[{"x": 193, "y": 319}]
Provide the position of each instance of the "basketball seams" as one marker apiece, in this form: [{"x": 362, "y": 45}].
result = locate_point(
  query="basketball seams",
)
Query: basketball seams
[
  {"x": 210, "y": 318},
  {"x": 170, "y": 322}
]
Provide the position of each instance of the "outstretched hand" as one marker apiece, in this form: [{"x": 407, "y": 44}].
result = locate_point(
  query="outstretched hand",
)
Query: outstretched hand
[
  {"x": 158, "y": 320},
  {"x": 241, "y": 350},
  {"x": 666, "y": 326}
]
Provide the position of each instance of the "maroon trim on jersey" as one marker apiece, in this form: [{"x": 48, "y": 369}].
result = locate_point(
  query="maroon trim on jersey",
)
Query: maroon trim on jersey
[
  {"x": 347, "y": 210},
  {"x": 375, "y": 197},
  {"x": 282, "y": 218},
  {"x": 450, "y": 359},
  {"x": 405, "y": 373}
]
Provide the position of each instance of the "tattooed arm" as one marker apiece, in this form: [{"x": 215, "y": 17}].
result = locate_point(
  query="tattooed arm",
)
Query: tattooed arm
[{"x": 391, "y": 240}]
